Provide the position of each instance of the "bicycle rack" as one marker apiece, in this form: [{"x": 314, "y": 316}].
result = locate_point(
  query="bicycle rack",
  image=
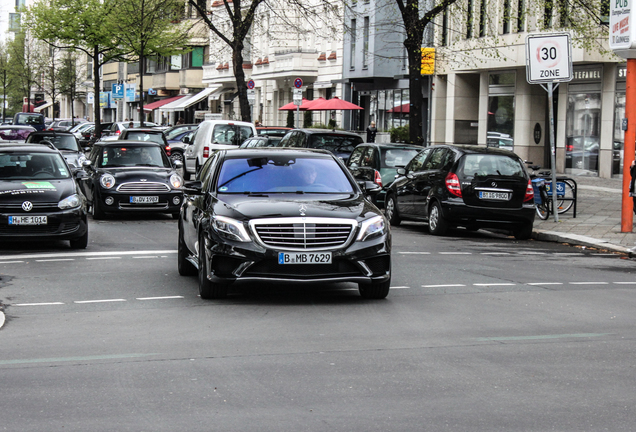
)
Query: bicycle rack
[{"x": 548, "y": 183}]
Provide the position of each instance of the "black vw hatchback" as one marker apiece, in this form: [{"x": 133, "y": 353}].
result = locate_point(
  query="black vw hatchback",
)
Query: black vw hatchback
[
  {"x": 39, "y": 199},
  {"x": 284, "y": 215},
  {"x": 131, "y": 176},
  {"x": 469, "y": 186}
]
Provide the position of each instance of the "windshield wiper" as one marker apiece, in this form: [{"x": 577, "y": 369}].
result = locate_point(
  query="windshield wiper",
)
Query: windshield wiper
[{"x": 239, "y": 176}]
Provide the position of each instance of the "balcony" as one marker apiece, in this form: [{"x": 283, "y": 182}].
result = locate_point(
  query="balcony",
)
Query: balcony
[
  {"x": 168, "y": 80},
  {"x": 289, "y": 63},
  {"x": 191, "y": 78}
]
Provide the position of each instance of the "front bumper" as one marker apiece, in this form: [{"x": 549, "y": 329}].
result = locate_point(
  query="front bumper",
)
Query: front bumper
[
  {"x": 361, "y": 262},
  {"x": 61, "y": 225},
  {"x": 113, "y": 201}
]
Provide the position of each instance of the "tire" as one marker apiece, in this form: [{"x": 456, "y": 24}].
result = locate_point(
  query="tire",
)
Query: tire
[
  {"x": 175, "y": 216},
  {"x": 80, "y": 242},
  {"x": 524, "y": 233},
  {"x": 176, "y": 156},
  {"x": 542, "y": 211},
  {"x": 437, "y": 225},
  {"x": 185, "y": 267},
  {"x": 566, "y": 204},
  {"x": 207, "y": 288},
  {"x": 375, "y": 291},
  {"x": 96, "y": 209},
  {"x": 391, "y": 210}
]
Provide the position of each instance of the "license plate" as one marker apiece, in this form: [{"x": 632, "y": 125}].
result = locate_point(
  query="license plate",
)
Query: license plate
[
  {"x": 28, "y": 220},
  {"x": 144, "y": 199},
  {"x": 501, "y": 196},
  {"x": 304, "y": 258}
]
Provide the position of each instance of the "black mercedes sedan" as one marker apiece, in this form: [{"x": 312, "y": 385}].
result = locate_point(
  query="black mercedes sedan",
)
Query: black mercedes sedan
[
  {"x": 468, "y": 186},
  {"x": 131, "y": 176},
  {"x": 283, "y": 215},
  {"x": 39, "y": 198}
]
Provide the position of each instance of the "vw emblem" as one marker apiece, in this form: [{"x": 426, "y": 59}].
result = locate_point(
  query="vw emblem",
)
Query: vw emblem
[
  {"x": 143, "y": 180},
  {"x": 493, "y": 184},
  {"x": 303, "y": 209},
  {"x": 27, "y": 206}
]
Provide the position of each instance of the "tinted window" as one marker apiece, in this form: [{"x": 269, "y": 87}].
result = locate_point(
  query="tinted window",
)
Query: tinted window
[
  {"x": 61, "y": 142},
  {"x": 356, "y": 156},
  {"x": 29, "y": 119},
  {"x": 131, "y": 155},
  {"x": 392, "y": 158},
  {"x": 223, "y": 134},
  {"x": 473, "y": 165},
  {"x": 145, "y": 136},
  {"x": 334, "y": 143},
  {"x": 418, "y": 161},
  {"x": 33, "y": 166},
  {"x": 280, "y": 174},
  {"x": 436, "y": 160}
]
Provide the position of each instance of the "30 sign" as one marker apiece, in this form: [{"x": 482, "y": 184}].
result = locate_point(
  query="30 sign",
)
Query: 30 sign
[{"x": 548, "y": 58}]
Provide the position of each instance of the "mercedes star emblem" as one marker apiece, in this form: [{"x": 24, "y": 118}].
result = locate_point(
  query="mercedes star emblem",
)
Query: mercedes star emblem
[{"x": 303, "y": 209}]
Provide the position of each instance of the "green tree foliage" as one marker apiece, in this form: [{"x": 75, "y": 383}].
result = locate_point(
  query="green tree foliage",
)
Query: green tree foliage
[
  {"x": 4, "y": 77},
  {"x": 70, "y": 78},
  {"x": 307, "y": 120},
  {"x": 23, "y": 68}
]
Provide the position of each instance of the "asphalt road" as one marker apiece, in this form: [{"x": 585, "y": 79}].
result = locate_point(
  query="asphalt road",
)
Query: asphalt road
[{"x": 480, "y": 333}]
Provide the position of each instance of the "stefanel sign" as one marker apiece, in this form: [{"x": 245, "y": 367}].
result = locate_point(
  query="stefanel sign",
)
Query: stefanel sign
[{"x": 622, "y": 31}]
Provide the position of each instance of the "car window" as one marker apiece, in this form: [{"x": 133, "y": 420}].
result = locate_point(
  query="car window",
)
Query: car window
[
  {"x": 473, "y": 165},
  {"x": 223, "y": 134},
  {"x": 436, "y": 160},
  {"x": 417, "y": 162},
  {"x": 245, "y": 132},
  {"x": 29, "y": 119},
  {"x": 33, "y": 166},
  {"x": 368, "y": 160},
  {"x": 61, "y": 142},
  {"x": 290, "y": 140},
  {"x": 130, "y": 155},
  {"x": 392, "y": 158},
  {"x": 334, "y": 143},
  {"x": 144, "y": 136},
  {"x": 280, "y": 174},
  {"x": 176, "y": 131},
  {"x": 356, "y": 156}
]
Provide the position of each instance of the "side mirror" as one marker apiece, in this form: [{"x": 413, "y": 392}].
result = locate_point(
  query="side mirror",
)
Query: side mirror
[
  {"x": 86, "y": 163},
  {"x": 193, "y": 188},
  {"x": 369, "y": 187},
  {"x": 177, "y": 164},
  {"x": 401, "y": 171},
  {"x": 186, "y": 140}
]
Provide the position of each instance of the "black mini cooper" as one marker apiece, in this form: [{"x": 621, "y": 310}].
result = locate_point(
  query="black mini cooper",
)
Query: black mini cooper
[
  {"x": 283, "y": 215},
  {"x": 469, "y": 186},
  {"x": 131, "y": 176}
]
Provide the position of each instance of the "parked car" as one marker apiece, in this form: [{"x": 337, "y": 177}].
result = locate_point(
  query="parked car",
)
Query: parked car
[
  {"x": 78, "y": 128},
  {"x": 379, "y": 163},
  {"x": 15, "y": 133},
  {"x": 112, "y": 133},
  {"x": 64, "y": 125},
  {"x": 261, "y": 141},
  {"x": 272, "y": 131},
  {"x": 212, "y": 135},
  {"x": 29, "y": 119},
  {"x": 146, "y": 135},
  {"x": 469, "y": 186},
  {"x": 65, "y": 142},
  {"x": 581, "y": 152},
  {"x": 39, "y": 197},
  {"x": 176, "y": 132},
  {"x": 179, "y": 142},
  {"x": 131, "y": 176},
  {"x": 283, "y": 215},
  {"x": 339, "y": 143},
  {"x": 500, "y": 140}
]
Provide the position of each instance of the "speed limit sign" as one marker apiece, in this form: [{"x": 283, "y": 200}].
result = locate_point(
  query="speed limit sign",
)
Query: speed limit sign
[{"x": 548, "y": 58}]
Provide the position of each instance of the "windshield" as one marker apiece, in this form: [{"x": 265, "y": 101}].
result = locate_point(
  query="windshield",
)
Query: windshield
[
  {"x": 29, "y": 119},
  {"x": 335, "y": 143},
  {"x": 32, "y": 166},
  {"x": 474, "y": 165},
  {"x": 177, "y": 131},
  {"x": 392, "y": 158},
  {"x": 280, "y": 174},
  {"x": 61, "y": 142},
  {"x": 131, "y": 155}
]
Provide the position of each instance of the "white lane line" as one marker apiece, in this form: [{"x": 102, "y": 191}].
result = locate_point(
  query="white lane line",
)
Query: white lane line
[
  {"x": 55, "y": 259},
  {"x": 443, "y": 286},
  {"x": 160, "y": 298},
  {"x": 414, "y": 253},
  {"x": 455, "y": 253},
  {"x": 39, "y": 304},
  {"x": 11, "y": 262},
  {"x": 88, "y": 254},
  {"x": 99, "y": 301},
  {"x": 494, "y": 284},
  {"x": 400, "y": 287},
  {"x": 587, "y": 283},
  {"x": 625, "y": 283},
  {"x": 531, "y": 253},
  {"x": 144, "y": 257},
  {"x": 495, "y": 253},
  {"x": 568, "y": 253},
  {"x": 544, "y": 283},
  {"x": 105, "y": 258}
]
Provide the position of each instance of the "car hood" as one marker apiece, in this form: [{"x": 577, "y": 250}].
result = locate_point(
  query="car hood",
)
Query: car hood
[
  {"x": 49, "y": 191},
  {"x": 344, "y": 206}
]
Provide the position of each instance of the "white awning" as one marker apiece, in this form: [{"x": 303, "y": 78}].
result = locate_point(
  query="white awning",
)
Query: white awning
[
  {"x": 41, "y": 107},
  {"x": 216, "y": 94},
  {"x": 188, "y": 101}
]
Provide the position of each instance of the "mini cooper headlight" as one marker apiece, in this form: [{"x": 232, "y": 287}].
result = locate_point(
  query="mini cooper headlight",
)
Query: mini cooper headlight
[
  {"x": 230, "y": 229},
  {"x": 371, "y": 228},
  {"x": 70, "y": 202},
  {"x": 176, "y": 181},
  {"x": 80, "y": 160},
  {"x": 107, "y": 181}
]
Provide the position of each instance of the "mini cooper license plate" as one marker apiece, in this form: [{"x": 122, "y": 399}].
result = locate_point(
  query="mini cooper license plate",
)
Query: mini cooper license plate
[
  {"x": 144, "y": 199},
  {"x": 28, "y": 220},
  {"x": 501, "y": 196},
  {"x": 304, "y": 258}
]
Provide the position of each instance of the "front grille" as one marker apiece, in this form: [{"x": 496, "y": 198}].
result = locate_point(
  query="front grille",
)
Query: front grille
[
  {"x": 37, "y": 207},
  {"x": 143, "y": 187},
  {"x": 146, "y": 206},
  {"x": 379, "y": 265},
  {"x": 271, "y": 268},
  {"x": 304, "y": 233},
  {"x": 54, "y": 228}
]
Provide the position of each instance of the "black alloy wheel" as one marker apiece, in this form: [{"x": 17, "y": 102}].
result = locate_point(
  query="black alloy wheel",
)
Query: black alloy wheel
[
  {"x": 437, "y": 225},
  {"x": 207, "y": 288},
  {"x": 185, "y": 267},
  {"x": 391, "y": 210}
]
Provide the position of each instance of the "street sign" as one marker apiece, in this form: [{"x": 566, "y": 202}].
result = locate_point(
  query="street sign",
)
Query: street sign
[
  {"x": 250, "y": 84},
  {"x": 298, "y": 83},
  {"x": 118, "y": 91},
  {"x": 622, "y": 35},
  {"x": 251, "y": 96},
  {"x": 298, "y": 97},
  {"x": 548, "y": 58}
]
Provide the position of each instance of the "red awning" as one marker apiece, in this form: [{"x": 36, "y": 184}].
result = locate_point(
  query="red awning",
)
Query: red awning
[
  {"x": 157, "y": 104},
  {"x": 401, "y": 109},
  {"x": 333, "y": 104}
]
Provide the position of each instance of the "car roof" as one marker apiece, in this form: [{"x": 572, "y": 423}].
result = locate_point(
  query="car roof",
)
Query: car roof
[
  {"x": 40, "y": 148},
  {"x": 475, "y": 149},
  {"x": 144, "y": 129},
  {"x": 326, "y": 132},
  {"x": 392, "y": 146},
  {"x": 276, "y": 151},
  {"x": 51, "y": 132},
  {"x": 119, "y": 143}
]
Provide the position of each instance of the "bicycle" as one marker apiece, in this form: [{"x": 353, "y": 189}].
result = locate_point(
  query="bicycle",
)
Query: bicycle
[{"x": 542, "y": 185}]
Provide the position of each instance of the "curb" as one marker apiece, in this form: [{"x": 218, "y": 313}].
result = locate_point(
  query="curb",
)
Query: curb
[
  {"x": 1, "y": 319},
  {"x": 581, "y": 240}
]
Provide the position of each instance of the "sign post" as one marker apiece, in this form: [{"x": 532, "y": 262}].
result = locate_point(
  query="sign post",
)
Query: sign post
[
  {"x": 298, "y": 98},
  {"x": 622, "y": 40},
  {"x": 549, "y": 61}
]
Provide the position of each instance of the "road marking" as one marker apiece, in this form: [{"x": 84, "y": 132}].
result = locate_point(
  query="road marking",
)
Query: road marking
[
  {"x": 99, "y": 301},
  {"x": 55, "y": 259},
  {"x": 455, "y": 253},
  {"x": 568, "y": 253},
  {"x": 495, "y": 253},
  {"x": 11, "y": 262},
  {"x": 75, "y": 359},
  {"x": 587, "y": 283},
  {"x": 531, "y": 253},
  {"x": 544, "y": 283},
  {"x": 414, "y": 253},
  {"x": 494, "y": 284},
  {"x": 540, "y": 337},
  {"x": 105, "y": 258},
  {"x": 160, "y": 298},
  {"x": 443, "y": 286},
  {"x": 625, "y": 283},
  {"x": 88, "y": 254},
  {"x": 39, "y": 304},
  {"x": 400, "y": 287}
]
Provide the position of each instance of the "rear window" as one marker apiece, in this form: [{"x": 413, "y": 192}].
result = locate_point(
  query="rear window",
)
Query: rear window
[
  {"x": 145, "y": 136},
  {"x": 231, "y": 134},
  {"x": 61, "y": 142},
  {"x": 29, "y": 119},
  {"x": 392, "y": 158},
  {"x": 474, "y": 165},
  {"x": 334, "y": 143}
]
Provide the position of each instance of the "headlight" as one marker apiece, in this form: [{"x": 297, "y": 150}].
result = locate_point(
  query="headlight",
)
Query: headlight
[
  {"x": 371, "y": 228},
  {"x": 176, "y": 181},
  {"x": 230, "y": 229},
  {"x": 72, "y": 201},
  {"x": 107, "y": 181},
  {"x": 80, "y": 160}
]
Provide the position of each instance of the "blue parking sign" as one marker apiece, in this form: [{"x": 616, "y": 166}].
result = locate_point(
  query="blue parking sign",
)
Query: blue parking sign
[{"x": 118, "y": 91}]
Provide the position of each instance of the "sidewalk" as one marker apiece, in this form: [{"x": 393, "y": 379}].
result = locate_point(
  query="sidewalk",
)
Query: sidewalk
[{"x": 598, "y": 218}]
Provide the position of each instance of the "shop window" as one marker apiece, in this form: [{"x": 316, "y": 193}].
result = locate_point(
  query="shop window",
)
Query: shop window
[{"x": 582, "y": 133}]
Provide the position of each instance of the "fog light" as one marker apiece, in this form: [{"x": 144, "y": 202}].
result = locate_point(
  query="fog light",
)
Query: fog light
[
  {"x": 176, "y": 200},
  {"x": 109, "y": 200}
]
